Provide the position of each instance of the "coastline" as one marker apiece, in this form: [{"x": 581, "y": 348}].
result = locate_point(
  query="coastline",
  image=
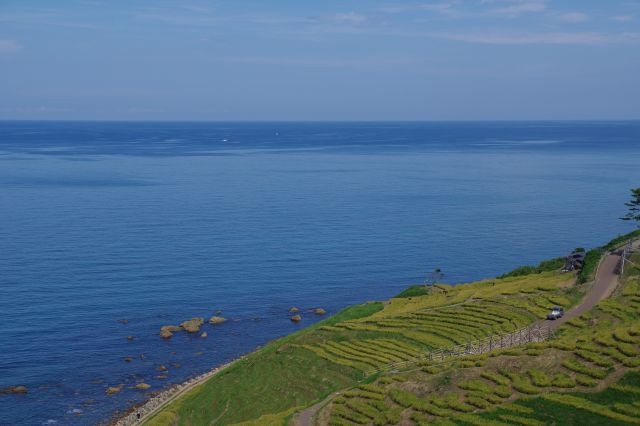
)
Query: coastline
[{"x": 154, "y": 404}]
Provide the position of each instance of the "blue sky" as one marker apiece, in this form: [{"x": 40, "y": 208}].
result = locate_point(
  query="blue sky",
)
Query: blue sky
[{"x": 319, "y": 60}]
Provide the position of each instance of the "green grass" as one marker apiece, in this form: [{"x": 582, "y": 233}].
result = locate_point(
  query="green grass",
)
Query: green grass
[
  {"x": 544, "y": 266},
  {"x": 413, "y": 291},
  {"x": 266, "y": 382}
]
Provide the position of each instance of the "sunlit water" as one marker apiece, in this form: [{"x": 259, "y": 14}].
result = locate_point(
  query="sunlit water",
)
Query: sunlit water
[{"x": 158, "y": 223}]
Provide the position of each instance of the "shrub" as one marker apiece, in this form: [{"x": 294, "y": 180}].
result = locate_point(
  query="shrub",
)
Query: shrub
[
  {"x": 495, "y": 378},
  {"x": 413, "y": 291},
  {"x": 624, "y": 337},
  {"x": 579, "y": 367},
  {"x": 432, "y": 369},
  {"x": 476, "y": 385},
  {"x": 478, "y": 402},
  {"x": 453, "y": 402},
  {"x": 502, "y": 391},
  {"x": 563, "y": 381},
  {"x": 539, "y": 378},
  {"x": 563, "y": 345},
  {"x": 402, "y": 398},
  {"x": 362, "y": 408},
  {"x": 353, "y": 416},
  {"x": 517, "y": 420},
  {"x": 586, "y": 381},
  {"x": 432, "y": 409},
  {"x": 591, "y": 260},
  {"x": 523, "y": 385},
  {"x": 595, "y": 358},
  {"x": 544, "y": 266},
  {"x": 592, "y": 407},
  {"x": 627, "y": 349},
  {"x": 631, "y": 362},
  {"x": 628, "y": 409}
]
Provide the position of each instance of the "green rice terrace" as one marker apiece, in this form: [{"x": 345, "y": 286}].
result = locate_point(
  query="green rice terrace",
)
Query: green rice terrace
[{"x": 367, "y": 365}]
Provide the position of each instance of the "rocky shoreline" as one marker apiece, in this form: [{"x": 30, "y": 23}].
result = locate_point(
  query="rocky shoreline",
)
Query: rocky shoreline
[{"x": 136, "y": 415}]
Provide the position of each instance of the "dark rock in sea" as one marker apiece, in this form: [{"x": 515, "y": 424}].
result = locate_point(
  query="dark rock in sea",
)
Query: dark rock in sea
[
  {"x": 319, "y": 311},
  {"x": 130, "y": 338},
  {"x": 128, "y": 359},
  {"x": 162, "y": 377},
  {"x": 14, "y": 390},
  {"x": 142, "y": 356},
  {"x": 296, "y": 318},
  {"x": 193, "y": 325},
  {"x": 294, "y": 310},
  {"x": 218, "y": 312},
  {"x": 123, "y": 321},
  {"x": 162, "y": 368}
]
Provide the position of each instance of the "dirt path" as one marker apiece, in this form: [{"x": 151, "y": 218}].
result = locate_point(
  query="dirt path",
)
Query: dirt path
[{"x": 604, "y": 284}]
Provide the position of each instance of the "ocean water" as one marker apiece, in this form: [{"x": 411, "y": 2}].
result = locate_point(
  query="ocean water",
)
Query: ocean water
[{"x": 156, "y": 223}]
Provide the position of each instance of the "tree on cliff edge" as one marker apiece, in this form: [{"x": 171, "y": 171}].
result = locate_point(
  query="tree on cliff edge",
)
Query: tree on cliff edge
[{"x": 634, "y": 207}]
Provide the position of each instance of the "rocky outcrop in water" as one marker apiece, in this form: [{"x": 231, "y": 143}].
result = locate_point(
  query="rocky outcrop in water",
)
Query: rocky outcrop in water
[
  {"x": 294, "y": 310},
  {"x": 142, "y": 386},
  {"x": 296, "y": 318},
  {"x": 14, "y": 390},
  {"x": 319, "y": 311},
  {"x": 113, "y": 390},
  {"x": 193, "y": 325},
  {"x": 166, "y": 331},
  {"x": 217, "y": 320}
]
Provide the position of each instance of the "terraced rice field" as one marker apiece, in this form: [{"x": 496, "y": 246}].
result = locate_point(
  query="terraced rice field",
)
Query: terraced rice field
[
  {"x": 451, "y": 315},
  {"x": 574, "y": 374}
]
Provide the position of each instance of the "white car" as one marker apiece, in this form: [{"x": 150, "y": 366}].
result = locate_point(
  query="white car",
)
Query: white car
[{"x": 556, "y": 312}]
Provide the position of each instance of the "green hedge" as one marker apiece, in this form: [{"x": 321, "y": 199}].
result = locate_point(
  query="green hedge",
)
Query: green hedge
[{"x": 544, "y": 266}]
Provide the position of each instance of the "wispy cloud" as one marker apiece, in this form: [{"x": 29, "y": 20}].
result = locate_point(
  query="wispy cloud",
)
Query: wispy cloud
[
  {"x": 623, "y": 18},
  {"x": 445, "y": 7},
  {"x": 576, "y": 38},
  {"x": 348, "y": 18},
  {"x": 9, "y": 46},
  {"x": 574, "y": 17},
  {"x": 315, "y": 62},
  {"x": 518, "y": 9}
]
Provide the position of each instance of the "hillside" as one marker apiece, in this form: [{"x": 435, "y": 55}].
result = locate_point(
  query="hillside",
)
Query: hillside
[{"x": 586, "y": 373}]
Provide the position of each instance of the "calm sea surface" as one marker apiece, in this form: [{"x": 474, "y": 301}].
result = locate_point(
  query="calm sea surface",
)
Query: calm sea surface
[{"x": 156, "y": 223}]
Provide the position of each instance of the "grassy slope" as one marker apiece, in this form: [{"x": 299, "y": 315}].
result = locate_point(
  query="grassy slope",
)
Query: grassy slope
[
  {"x": 269, "y": 384},
  {"x": 266, "y": 381}
]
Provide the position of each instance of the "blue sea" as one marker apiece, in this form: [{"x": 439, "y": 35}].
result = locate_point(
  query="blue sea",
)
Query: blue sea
[{"x": 156, "y": 223}]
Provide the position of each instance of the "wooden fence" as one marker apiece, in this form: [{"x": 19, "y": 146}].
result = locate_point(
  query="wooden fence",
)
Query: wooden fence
[{"x": 535, "y": 333}]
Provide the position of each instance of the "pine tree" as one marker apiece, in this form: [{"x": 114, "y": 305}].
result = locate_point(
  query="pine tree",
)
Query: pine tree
[{"x": 634, "y": 207}]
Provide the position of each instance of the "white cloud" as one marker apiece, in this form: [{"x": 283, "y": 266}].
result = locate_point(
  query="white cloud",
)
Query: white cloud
[
  {"x": 9, "y": 46},
  {"x": 573, "y": 17},
  {"x": 518, "y": 9},
  {"x": 446, "y": 7},
  {"x": 622, "y": 18},
  {"x": 577, "y": 38},
  {"x": 349, "y": 18}
]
